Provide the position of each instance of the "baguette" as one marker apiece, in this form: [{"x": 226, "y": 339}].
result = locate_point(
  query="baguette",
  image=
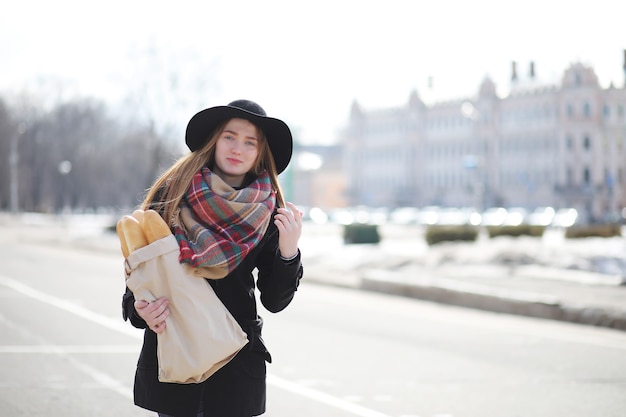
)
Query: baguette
[
  {"x": 138, "y": 214},
  {"x": 120, "y": 235},
  {"x": 134, "y": 235},
  {"x": 154, "y": 226}
]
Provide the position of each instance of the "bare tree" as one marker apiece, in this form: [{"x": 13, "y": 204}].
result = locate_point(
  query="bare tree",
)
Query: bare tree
[
  {"x": 7, "y": 142},
  {"x": 76, "y": 156}
]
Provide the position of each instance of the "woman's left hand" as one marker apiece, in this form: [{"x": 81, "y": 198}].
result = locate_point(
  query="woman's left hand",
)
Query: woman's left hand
[{"x": 289, "y": 224}]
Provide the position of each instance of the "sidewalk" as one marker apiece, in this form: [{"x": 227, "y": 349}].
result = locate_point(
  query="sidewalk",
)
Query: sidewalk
[
  {"x": 488, "y": 288},
  {"x": 456, "y": 274},
  {"x": 548, "y": 292}
]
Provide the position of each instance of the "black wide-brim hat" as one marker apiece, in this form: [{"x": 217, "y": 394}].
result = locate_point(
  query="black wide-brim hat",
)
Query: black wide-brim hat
[{"x": 277, "y": 133}]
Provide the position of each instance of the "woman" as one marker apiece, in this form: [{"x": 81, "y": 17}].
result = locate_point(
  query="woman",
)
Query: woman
[{"x": 224, "y": 194}]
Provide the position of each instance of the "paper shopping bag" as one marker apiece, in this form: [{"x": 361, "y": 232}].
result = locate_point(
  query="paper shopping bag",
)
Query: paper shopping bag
[{"x": 201, "y": 335}]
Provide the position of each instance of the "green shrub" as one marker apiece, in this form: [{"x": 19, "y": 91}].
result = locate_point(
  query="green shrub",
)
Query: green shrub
[
  {"x": 593, "y": 230},
  {"x": 517, "y": 230},
  {"x": 361, "y": 233},
  {"x": 439, "y": 233}
]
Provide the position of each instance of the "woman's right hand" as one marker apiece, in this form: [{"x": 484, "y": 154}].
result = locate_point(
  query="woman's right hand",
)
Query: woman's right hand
[{"x": 154, "y": 313}]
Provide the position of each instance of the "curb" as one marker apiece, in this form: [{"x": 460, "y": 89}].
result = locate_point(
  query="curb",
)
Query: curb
[
  {"x": 469, "y": 295},
  {"x": 462, "y": 294}
]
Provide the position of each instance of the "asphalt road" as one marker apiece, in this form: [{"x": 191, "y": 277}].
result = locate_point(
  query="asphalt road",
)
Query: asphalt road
[{"x": 65, "y": 351}]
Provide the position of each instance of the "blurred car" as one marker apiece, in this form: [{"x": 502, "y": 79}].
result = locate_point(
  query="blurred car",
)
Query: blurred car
[
  {"x": 317, "y": 215},
  {"x": 360, "y": 214},
  {"x": 428, "y": 215},
  {"x": 541, "y": 216},
  {"x": 457, "y": 216},
  {"x": 565, "y": 217},
  {"x": 404, "y": 215},
  {"x": 614, "y": 217},
  {"x": 378, "y": 215},
  {"x": 515, "y": 216},
  {"x": 494, "y": 216}
]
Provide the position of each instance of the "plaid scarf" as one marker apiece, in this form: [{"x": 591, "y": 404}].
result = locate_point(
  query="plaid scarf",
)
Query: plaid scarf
[{"x": 217, "y": 226}]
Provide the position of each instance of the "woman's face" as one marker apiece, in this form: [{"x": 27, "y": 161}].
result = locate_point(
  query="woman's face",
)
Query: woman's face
[{"x": 236, "y": 151}]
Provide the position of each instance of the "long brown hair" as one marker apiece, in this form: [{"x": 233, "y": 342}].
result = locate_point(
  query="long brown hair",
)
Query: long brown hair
[{"x": 168, "y": 190}]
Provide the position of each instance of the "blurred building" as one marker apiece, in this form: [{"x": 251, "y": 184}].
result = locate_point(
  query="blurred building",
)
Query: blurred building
[{"x": 542, "y": 145}]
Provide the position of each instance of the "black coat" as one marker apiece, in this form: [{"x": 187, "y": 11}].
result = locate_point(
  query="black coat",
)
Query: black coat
[{"x": 237, "y": 389}]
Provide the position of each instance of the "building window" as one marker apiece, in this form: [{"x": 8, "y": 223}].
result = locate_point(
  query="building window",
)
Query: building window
[
  {"x": 587, "y": 110},
  {"x": 570, "y": 177},
  {"x": 586, "y": 176},
  {"x": 606, "y": 111},
  {"x": 577, "y": 79},
  {"x": 569, "y": 143},
  {"x": 586, "y": 143},
  {"x": 570, "y": 111}
]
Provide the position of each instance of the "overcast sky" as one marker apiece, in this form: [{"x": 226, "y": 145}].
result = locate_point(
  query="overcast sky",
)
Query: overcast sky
[{"x": 304, "y": 62}]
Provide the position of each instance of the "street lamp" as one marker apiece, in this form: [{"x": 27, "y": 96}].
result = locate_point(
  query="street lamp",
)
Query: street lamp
[
  {"x": 472, "y": 164},
  {"x": 65, "y": 167},
  {"x": 13, "y": 167}
]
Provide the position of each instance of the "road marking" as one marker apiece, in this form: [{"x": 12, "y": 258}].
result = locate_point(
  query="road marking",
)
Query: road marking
[
  {"x": 64, "y": 352},
  {"x": 116, "y": 386},
  {"x": 102, "y": 378},
  {"x": 75, "y": 309},
  {"x": 323, "y": 398}
]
